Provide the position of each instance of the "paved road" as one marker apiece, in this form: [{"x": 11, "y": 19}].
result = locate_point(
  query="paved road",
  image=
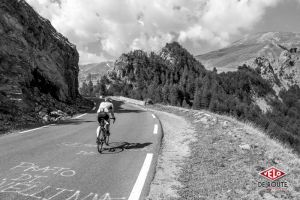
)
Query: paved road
[{"x": 61, "y": 162}]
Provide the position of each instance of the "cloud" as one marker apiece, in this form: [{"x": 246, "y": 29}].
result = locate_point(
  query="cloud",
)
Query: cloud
[
  {"x": 151, "y": 43},
  {"x": 103, "y": 29},
  {"x": 232, "y": 15},
  {"x": 86, "y": 57}
]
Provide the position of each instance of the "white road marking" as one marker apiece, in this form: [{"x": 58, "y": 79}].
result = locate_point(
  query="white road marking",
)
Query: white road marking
[
  {"x": 33, "y": 129},
  {"x": 140, "y": 181},
  {"x": 94, "y": 108},
  {"x": 155, "y": 129},
  {"x": 153, "y": 116},
  {"x": 79, "y": 116},
  {"x": 86, "y": 153},
  {"x": 37, "y": 128}
]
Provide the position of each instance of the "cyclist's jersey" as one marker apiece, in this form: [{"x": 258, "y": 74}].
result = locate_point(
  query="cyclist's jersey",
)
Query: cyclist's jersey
[{"x": 106, "y": 107}]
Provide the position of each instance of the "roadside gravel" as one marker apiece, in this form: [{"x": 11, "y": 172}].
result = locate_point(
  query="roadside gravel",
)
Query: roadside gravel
[{"x": 178, "y": 134}]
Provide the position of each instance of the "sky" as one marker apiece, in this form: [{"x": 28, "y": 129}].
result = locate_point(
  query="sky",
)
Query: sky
[{"x": 104, "y": 29}]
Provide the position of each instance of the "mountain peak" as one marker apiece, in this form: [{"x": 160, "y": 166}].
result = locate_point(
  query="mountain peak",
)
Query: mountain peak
[
  {"x": 174, "y": 53},
  {"x": 174, "y": 48}
]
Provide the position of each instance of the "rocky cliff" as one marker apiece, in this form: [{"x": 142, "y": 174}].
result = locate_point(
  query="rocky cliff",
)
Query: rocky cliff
[{"x": 38, "y": 66}]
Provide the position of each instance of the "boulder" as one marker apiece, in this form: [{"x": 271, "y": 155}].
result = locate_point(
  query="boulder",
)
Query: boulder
[
  {"x": 42, "y": 114},
  {"x": 245, "y": 146},
  {"x": 148, "y": 101},
  {"x": 46, "y": 118}
]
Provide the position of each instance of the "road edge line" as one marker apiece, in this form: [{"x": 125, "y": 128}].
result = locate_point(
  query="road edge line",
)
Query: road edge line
[
  {"x": 155, "y": 130},
  {"x": 79, "y": 116},
  {"x": 33, "y": 129},
  {"x": 140, "y": 181},
  {"x": 156, "y": 152}
]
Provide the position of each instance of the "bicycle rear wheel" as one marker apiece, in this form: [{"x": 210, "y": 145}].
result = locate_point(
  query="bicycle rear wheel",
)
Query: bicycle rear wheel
[
  {"x": 107, "y": 140},
  {"x": 101, "y": 141}
]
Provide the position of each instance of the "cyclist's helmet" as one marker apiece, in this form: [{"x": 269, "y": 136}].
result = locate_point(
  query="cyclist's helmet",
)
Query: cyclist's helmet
[{"x": 107, "y": 99}]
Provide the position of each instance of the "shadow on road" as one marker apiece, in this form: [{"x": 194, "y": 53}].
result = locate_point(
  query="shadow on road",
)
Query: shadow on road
[
  {"x": 111, "y": 150},
  {"x": 136, "y": 145},
  {"x": 120, "y": 109},
  {"x": 127, "y": 145},
  {"x": 117, "y": 147}
]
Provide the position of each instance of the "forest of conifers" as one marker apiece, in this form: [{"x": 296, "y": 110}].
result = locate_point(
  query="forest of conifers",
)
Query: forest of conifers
[{"x": 175, "y": 77}]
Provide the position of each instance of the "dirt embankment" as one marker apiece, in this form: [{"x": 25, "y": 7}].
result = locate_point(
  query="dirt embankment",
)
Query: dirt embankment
[
  {"x": 175, "y": 149},
  {"x": 208, "y": 156}
]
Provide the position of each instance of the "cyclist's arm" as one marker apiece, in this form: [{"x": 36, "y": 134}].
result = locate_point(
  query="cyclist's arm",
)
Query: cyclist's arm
[
  {"x": 112, "y": 111},
  {"x": 112, "y": 114},
  {"x": 99, "y": 108}
]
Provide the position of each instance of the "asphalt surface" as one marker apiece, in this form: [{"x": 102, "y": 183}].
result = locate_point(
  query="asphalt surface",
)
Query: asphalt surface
[{"x": 61, "y": 161}]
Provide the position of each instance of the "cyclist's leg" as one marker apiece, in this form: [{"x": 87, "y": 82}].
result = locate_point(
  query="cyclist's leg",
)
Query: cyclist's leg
[
  {"x": 98, "y": 131},
  {"x": 107, "y": 122},
  {"x": 106, "y": 126}
]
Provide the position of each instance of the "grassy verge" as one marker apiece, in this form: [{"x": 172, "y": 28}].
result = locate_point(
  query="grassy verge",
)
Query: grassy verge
[{"x": 226, "y": 158}]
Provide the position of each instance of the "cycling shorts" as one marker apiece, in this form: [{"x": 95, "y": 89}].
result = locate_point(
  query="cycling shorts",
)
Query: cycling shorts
[{"x": 103, "y": 115}]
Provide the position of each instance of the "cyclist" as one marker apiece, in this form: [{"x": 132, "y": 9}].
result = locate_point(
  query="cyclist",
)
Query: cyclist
[{"x": 103, "y": 111}]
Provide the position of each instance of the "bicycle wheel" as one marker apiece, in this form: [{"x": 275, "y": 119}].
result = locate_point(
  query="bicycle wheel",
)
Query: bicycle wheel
[
  {"x": 107, "y": 140},
  {"x": 101, "y": 141}
]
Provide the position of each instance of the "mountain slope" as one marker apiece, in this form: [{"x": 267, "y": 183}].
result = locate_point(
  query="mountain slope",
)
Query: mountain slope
[
  {"x": 96, "y": 70},
  {"x": 276, "y": 54},
  {"x": 38, "y": 66},
  {"x": 175, "y": 77}
]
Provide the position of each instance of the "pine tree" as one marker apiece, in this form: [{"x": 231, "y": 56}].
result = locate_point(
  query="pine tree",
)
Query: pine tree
[
  {"x": 165, "y": 93},
  {"x": 175, "y": 96},
  {"x": 89, "y": 77},
  {"x": 90, "y": 88},
  {"x": 197, "y": 99},
  {"x": 102, "y": 86},
  {"x": 84, "y": 89}
]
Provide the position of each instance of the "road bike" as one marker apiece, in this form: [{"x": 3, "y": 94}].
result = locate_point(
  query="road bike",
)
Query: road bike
[{"x": 103, "y": 137}]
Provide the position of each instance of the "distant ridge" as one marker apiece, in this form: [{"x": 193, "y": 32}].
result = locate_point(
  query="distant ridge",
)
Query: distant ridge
[
  {"x": 96, "y": 70},
  {"x": 269, "y": 44},
  {"x": 275, "y": 54}
]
